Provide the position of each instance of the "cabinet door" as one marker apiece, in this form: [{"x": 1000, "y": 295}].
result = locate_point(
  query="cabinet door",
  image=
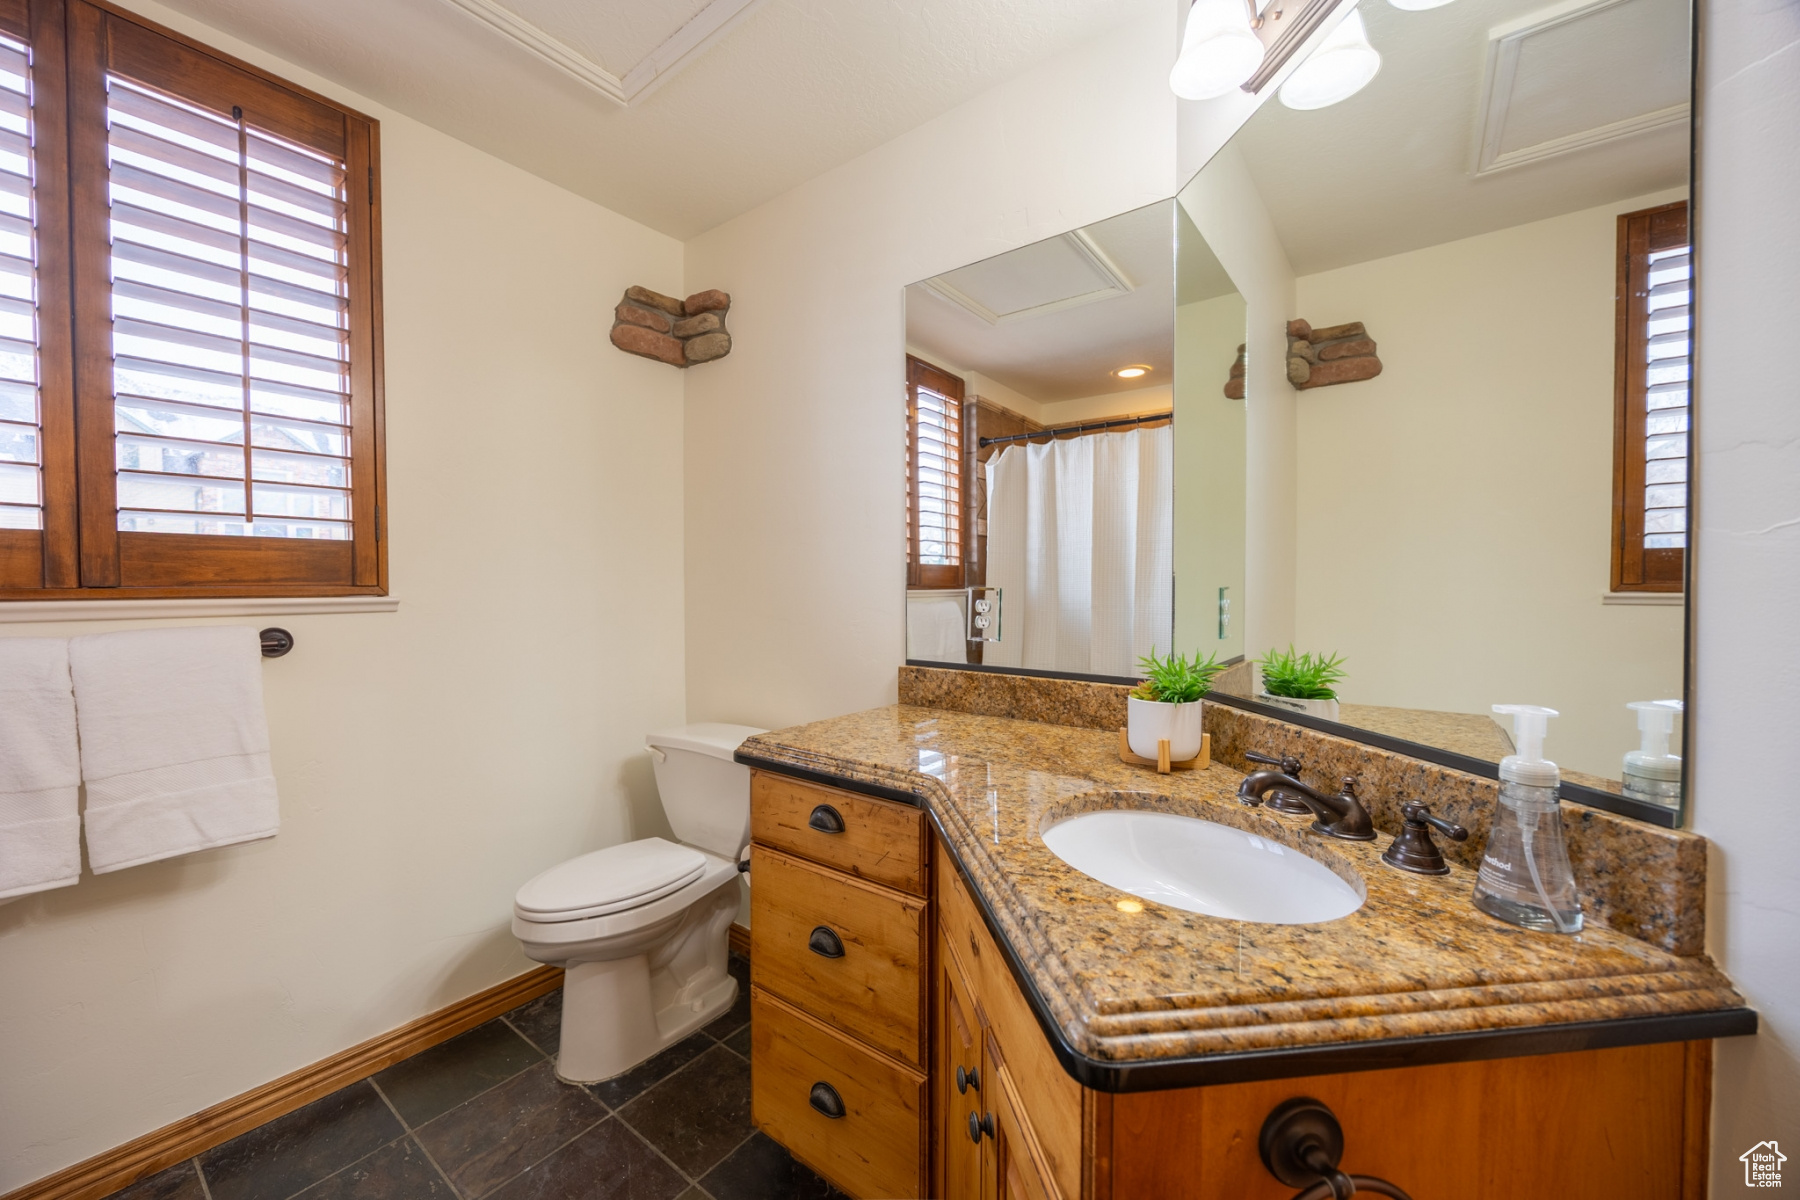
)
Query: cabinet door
[
  {"x": 959, "y": 1049},
  {"x": 1014, "y": 1164}
]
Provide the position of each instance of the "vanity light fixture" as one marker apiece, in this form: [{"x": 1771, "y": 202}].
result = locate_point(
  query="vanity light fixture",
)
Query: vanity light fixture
[
  {"x": 1417, "y": 5},
  {"x": 1219, "y": 50},
  {"x": 1341, "y": 66},
  {"x": 1134, "y": 371}
]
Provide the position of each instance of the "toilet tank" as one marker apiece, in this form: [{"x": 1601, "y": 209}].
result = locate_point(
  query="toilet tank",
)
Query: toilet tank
[{"x": 705, "y": 795}]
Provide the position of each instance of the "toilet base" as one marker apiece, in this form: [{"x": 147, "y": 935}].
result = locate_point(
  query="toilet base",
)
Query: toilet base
[{"x": 619, "y": 1012}]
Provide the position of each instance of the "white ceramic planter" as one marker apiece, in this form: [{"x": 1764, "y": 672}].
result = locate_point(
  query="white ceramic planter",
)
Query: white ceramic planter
[
  {"x": 1150, "y": 721},
  {"x": 1326, "y": 709}
]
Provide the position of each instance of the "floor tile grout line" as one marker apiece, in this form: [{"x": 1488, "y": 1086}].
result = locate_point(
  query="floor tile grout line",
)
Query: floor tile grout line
[
  {"x": 200, "y": 1171},
  {"x": 347, "y": 1166},
  {"x": 546, "y": 1157},
  {"x": 657, "y": 1150},
  {"x": 523, "y": 1036},
  {"x": 413, "y": 1136}
]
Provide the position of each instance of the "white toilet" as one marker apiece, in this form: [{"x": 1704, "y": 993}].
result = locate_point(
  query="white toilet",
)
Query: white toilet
[{"x": 642, "y": 928}]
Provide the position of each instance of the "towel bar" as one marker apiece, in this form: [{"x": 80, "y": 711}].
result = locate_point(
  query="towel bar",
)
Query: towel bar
[{"x": 276, "y": 642}]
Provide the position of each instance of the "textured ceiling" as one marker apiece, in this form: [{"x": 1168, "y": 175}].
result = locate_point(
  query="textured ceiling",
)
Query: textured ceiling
[
  {"x": 794, "y": 88},
  {"x": 1393, "y": 168}
]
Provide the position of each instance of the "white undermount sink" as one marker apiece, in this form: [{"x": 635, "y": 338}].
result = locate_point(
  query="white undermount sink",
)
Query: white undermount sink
[{"x": 1202, "y": 866}]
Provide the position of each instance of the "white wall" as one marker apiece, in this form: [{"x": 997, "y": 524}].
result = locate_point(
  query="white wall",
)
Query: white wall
[
  {"x": 1226, "y": 208},
  {"x": 1747, "y": 641},
  {"x": 430, "y": 760},
  {"x": 1153, "y": 399},
  {"x": 1455, "y": 511},
  {"x": 1209, "y": 477},
  {"x": 795, "y": 444}
]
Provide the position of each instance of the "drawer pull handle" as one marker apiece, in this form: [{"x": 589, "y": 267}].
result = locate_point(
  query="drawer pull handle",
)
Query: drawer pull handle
[
  {"x": 825, "y": 942},
  {"x": 967, "y": 1079},
  {"x": 825, "y": 1098},
  {"x": 826, "y": 819},
  {"x": 980, "y": 1123}
]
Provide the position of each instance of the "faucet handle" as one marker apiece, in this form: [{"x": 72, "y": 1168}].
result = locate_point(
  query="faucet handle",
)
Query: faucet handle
[
  {"x": 1413, "y": 850},
  {"x": 1287, "y": 762}
]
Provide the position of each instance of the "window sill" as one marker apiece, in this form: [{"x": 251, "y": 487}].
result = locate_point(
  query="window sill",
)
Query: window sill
[
  {"x": 15, "y": 611},
  {"x": 1645, "y": 599}
]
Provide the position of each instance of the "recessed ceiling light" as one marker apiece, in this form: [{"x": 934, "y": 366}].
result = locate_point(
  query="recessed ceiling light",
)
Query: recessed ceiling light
[{"x": 1134, "y": 371}]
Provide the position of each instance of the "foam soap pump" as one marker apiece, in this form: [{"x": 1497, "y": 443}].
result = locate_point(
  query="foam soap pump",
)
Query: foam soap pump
[
  {"x": 1651, "y": 772},
  {"x": 1525, "y": 877}
]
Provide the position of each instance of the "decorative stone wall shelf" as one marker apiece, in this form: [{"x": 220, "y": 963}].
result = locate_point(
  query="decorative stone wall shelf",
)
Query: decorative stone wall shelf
[
  {"x": 1335, "y": 354},
  {"x": 678, "y": 332}
]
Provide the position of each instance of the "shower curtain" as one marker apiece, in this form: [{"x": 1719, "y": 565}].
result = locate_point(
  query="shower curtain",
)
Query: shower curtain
[{"x": 1080, "y": 542}]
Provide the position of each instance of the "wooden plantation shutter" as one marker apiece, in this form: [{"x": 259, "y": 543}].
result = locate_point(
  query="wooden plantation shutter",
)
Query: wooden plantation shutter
[
  {"x": 1652, "y": 397},
  {"x": 935, "y": 480},
  {"x": 224, "y": 323},
  {"x": 37, "y": 432}
]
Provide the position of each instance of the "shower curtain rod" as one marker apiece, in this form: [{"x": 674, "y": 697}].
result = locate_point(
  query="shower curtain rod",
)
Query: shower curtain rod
[{"x": 1052, "y": 432}]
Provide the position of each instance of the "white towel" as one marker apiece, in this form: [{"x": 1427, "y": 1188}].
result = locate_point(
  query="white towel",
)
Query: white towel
[
  {"x": 936, "y": 627},
  {"x": 40, "y": 776},
  {"x": 174, "y": 747}
]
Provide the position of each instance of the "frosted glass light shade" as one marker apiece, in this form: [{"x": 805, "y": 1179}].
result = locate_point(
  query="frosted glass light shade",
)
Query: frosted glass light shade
[
  {"x": 1417, "y": 5},
  {"x": 1341, "y": 67},
  {"x": 1218, "y": 51}
]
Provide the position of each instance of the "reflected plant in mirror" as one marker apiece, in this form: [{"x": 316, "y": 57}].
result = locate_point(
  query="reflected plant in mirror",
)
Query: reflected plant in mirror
[{"x": 1302, "y": 681}]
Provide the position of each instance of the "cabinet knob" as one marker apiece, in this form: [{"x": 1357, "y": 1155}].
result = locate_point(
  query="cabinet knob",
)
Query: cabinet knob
[
  {"x": 826, "y": 819},
  {"x": 980, "y": 1123},
  {"x": 825, "y": 942},
  {"x": 826, "y": 1100},
  {"x": 966, "y": 1079}
]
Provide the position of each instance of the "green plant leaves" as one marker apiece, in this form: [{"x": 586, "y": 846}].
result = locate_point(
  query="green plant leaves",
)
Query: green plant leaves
[
  {"x": 1174, "y": 679},
  {"x": 1301, "y": 676}
]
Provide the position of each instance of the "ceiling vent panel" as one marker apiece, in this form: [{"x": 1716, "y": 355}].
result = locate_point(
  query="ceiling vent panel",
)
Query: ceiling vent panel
[
  {"x": 1581, "y": 74},
  {"x": 1044, "y": 277}
]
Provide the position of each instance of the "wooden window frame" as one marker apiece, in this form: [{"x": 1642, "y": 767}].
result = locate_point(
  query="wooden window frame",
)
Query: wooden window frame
[
  {"x": 935, "y": 575},
  {"x": 1636, "y": 568},
  {"x": 80, "y": 553}
]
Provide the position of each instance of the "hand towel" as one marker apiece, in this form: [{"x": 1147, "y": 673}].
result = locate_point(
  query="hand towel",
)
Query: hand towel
[
  {"x": 174, "y": 746},
  {"x": 936, "y": 627},
  {"x": 40, "y": 775}
]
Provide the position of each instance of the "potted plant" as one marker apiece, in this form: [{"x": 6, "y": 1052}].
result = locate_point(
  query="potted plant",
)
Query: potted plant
[
  {"x": 1166, "y": 705},
  {"x": 1301, "y": 682}
]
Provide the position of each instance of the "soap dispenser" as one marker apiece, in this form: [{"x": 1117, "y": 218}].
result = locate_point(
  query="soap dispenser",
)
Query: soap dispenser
[
  {"x": 1651, "y": 773},
  {"x": 1525, "y": 877}
]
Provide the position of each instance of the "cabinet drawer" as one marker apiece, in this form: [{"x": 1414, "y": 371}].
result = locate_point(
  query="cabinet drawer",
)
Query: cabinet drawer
[
  {"x": 877, "y": 1147},
  {"x": 877, "y": 840},
  {"x": 873, "y": 988}
]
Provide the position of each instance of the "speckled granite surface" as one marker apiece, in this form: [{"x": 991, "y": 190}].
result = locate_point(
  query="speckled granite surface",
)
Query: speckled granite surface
[
  {"x": 1473, "y": 734},
  {"x": 1416, "y": 959},
  {"x": 1638, "y": 879}
]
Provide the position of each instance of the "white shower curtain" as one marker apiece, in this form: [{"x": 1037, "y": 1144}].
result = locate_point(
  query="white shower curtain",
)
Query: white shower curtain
[{"x": 1080, "y": 542}]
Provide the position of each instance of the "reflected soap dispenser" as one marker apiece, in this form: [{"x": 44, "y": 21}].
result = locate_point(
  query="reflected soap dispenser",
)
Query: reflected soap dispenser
[
  {"x": 1525, "y": 877},
  {"x": 1652, "y": 774}
]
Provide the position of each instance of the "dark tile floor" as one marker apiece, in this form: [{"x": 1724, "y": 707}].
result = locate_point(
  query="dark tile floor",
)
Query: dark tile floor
[{"x": 483, "y": 1115}]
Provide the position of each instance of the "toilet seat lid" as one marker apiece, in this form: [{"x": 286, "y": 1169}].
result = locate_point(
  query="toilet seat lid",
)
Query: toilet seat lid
[{"x": 610, "y": 880}]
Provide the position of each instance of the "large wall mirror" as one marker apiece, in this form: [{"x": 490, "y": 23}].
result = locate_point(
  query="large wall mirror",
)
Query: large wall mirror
[
  {"x": 1430, "y": 399},
  {"x": 1040, "y": 458}
]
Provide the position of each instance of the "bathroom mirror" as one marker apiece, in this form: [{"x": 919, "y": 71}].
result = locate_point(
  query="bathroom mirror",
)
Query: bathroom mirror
[
  {"x": 1040, "y": 453},
  {"x": 1467, "y": 299}
]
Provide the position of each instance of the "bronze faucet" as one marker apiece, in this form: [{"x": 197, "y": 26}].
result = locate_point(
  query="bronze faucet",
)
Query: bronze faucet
[{"x": 1339, "y": 816}]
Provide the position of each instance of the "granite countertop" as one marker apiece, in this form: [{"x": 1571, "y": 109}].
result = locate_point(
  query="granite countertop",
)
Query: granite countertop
[{"x": 1128, "y": 992}]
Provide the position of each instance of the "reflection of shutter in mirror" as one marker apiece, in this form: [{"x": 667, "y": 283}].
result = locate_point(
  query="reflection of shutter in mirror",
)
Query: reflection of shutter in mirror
[
  {"x": 1668, "y": 320},
  {"x": 230, "y": 306}
]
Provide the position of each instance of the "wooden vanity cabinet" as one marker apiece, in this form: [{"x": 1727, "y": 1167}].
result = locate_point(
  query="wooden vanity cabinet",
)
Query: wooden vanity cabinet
[
  {"x": 921, "y": 991},
  {"x": 840, "y": 968}
]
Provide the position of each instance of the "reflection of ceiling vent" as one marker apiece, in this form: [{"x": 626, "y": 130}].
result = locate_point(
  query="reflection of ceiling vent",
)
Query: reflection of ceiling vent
[
  {"x": 1044, "y": 277},
  {"x": 1579, "y": 74}
]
